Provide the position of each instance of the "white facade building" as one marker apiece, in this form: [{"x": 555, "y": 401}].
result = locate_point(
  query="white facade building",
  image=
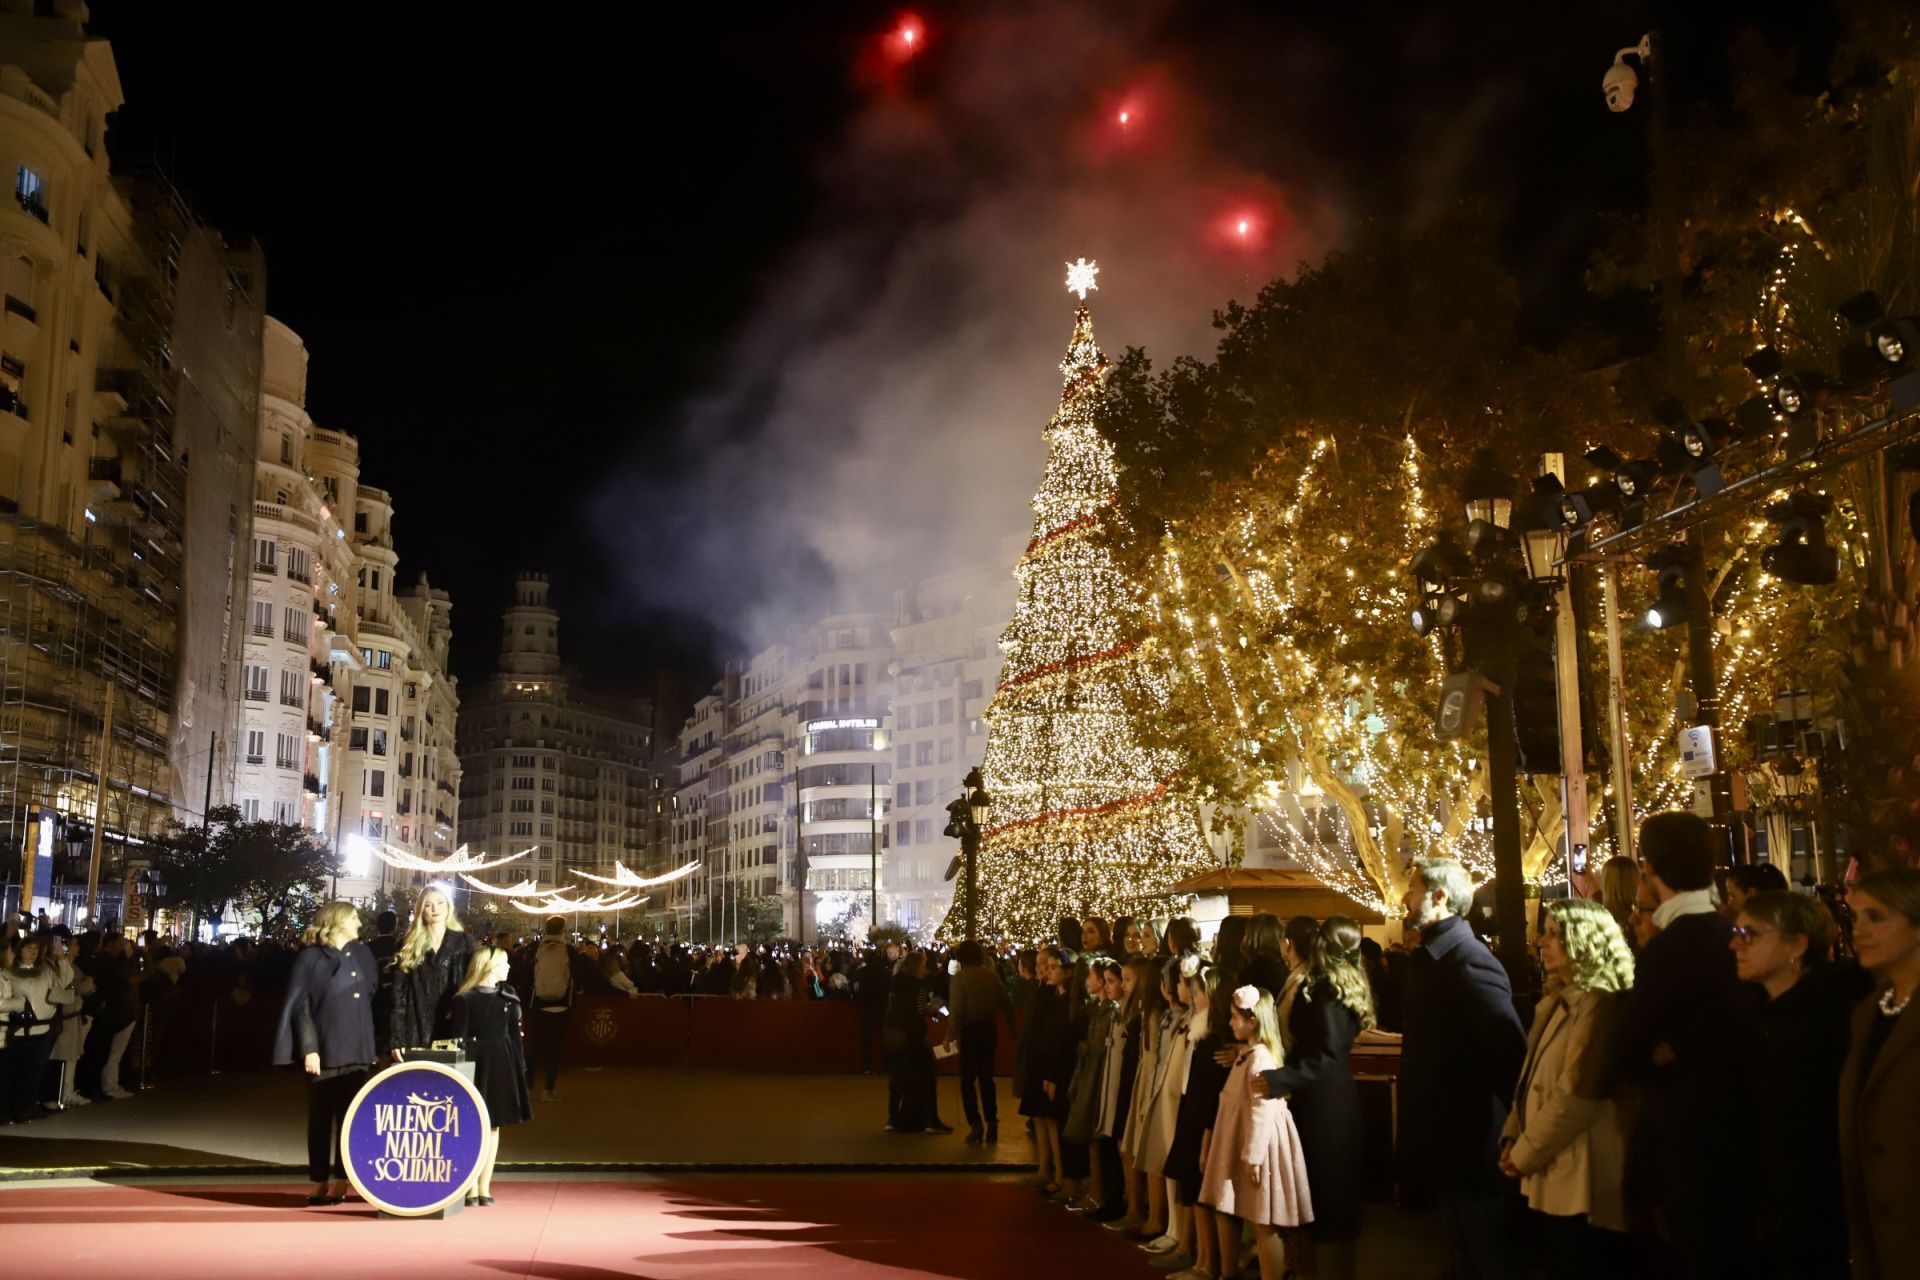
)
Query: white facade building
[{"x": 348, "y": 712}]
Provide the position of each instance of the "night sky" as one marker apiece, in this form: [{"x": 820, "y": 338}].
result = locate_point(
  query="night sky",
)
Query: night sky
[{"x": 727, "y": 315}]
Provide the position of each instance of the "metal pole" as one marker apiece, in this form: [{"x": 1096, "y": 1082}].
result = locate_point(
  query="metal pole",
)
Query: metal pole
[
  {"x": 1621, "y": 748},
  {"x": 1503, "y": 794},
  {"x": 1566, "y": 671},
  {"x": 1706, "y": 693},
  {"x": 970, "y": 845},
  {"x": 873, "y": 847},
  {"x": 99, "y": 804}
]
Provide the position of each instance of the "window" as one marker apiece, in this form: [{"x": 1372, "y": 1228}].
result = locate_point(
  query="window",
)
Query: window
[
  {"x": 523, "y": 784},
  {"x": 902, "y": 795},
  {"x": 362, "y": 698},
  {"x": 546, "y": 784},
  {"x": 546, "y": 828},
  {"x": 523, "y": 762},
  {"x": 922, "y": 753},
  {"x": 903, "y": 756},
  {"x": 380, "y": 702},
  {"x": 519, "y": 828},
  {"x": 970, "y": 690},
  {"x": 923, "y": 831},
  {"x": 286, "y": 751},
  {"x": 379, "y": 742},
  {"x": 903, "y": 833},
  {"x": 946, "y": 751},
  {"x": 256, "y": 746},
  {"x": 262, "y": 618},
  {"x": 293, "y": 692},
  {"x": 382, "y": 659},
  {"x": 522, "y": 804},
  {"x": 923, "y": 792},
  {"x": 30, "y": 189},
  {"x": 283, "y": 812},
  {"x": 376, "y": 782},
  {"x": 257, "y": 683},
  {"x": 946, "y": 711},
  {"x": 294, "y": 624},
  {"x": 356, "y": 739},
  {"x": 297, "y": 565},
  {"x": 250, "y": 810},
  {"x": 265, "y": 555}
]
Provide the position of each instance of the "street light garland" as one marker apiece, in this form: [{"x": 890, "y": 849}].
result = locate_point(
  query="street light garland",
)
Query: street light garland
[
  {"x": 627, "y": 879},
  {"x": 457, "y": 862}
]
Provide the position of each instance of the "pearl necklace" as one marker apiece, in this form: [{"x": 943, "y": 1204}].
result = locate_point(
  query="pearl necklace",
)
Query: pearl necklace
[{"x": 1889, "y": 1007}]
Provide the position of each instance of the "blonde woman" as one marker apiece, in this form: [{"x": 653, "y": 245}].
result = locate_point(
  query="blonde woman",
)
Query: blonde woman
[
  {"x": 429, "y": 967},
  {"x": 486, "y": 1016},
  {"x": 1564, "y": 1142},
  {"x": 326, "y": 1025}
]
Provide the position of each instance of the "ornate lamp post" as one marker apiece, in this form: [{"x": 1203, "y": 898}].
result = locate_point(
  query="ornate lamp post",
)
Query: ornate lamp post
[{"x": 965, "y": 818}]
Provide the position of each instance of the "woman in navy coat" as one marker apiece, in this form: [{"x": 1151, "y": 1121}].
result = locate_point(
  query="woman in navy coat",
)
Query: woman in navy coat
[{"x": 326, "y": 1025}]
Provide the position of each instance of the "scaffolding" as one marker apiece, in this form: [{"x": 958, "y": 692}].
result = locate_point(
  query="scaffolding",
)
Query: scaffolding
[{"x": 82, "y": 615}]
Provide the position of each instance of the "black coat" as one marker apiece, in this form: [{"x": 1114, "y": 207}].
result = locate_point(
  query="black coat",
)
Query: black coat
[
  {"x": 488, "y": 1020},
  {"x": 329, "y": 1008},
  {"x": 1320, "y": 1089},
  {"x": 1802, "y": 1046},
  {"x": 423, "y": 995},
  {"x": 1460, "y": 1056},
  {"x": 1696, "y": 1123}
]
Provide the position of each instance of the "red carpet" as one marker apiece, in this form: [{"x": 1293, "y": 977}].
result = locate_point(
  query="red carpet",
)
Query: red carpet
[{"x": 694, "y": 1228}]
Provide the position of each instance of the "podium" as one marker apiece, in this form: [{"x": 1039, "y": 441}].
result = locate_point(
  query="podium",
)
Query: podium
[{"x": 415, "y": 1134}]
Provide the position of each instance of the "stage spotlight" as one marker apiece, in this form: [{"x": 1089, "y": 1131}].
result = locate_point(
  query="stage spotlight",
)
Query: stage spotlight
[
  {"x": 1438, "y": 564},
  {"x": 1670, "y": 603},
  {"x": 1801, "y": 555},
  {"x": 1690, "y": 446}
]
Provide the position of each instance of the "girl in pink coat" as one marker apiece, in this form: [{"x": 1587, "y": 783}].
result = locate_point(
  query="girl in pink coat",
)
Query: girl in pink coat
[{"x": 1253, "y": 1167}]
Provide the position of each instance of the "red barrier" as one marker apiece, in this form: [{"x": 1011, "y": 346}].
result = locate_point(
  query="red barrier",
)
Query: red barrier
[
  {"x": 609, "y": 1031},
  {"x": 773, "y": 1035}
]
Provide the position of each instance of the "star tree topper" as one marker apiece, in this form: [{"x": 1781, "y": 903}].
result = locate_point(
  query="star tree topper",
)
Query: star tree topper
[{"x": 1080, "y": 276}]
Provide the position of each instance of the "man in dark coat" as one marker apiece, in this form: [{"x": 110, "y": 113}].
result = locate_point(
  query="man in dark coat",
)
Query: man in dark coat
[
  {"x": 1460, "y": 1057},
  {"x": 1684, "y": 1044}
]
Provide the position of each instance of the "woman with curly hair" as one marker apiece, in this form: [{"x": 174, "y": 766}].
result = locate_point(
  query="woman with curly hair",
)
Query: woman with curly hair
[{"x": 1565, "y": 1141}]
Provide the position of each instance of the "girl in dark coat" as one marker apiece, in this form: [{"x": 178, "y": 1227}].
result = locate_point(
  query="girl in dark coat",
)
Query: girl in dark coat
[
  {"x": 429, "y": 967},
  {"x": 1050, "y": 1065},
  {"x": 1330, "y": 1006},
  {"x": 486, "y": 1015},
  {"x": 912, "y": 1103},
  {"x": 326, "y": 1025}
]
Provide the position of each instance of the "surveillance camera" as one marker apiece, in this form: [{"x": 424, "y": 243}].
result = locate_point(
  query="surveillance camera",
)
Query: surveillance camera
[{"x": 1619, "y": 85}]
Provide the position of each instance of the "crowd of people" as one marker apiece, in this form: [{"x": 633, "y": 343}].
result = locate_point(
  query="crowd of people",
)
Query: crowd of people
[
  {"x": 1695, "y": 1079},
  {"x": 1698, "y": 1077}
]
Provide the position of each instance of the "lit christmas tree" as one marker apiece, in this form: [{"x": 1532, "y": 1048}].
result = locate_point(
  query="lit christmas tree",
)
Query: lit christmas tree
[{"x": 1081, "y": 823}]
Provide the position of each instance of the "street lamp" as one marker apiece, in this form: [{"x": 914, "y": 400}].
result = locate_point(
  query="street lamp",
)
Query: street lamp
[{"x": 965, "y": 817}]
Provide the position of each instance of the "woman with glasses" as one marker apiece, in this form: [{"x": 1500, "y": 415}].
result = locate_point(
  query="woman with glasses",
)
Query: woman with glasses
[{"x": 1780, "y": 944}]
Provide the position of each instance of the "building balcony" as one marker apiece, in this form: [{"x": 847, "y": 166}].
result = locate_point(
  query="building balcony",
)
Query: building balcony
[
  {"x": 259, "y": 695},
  {"x": 267, "y": 567},
  {"x": 293, "y": 701},
  {"x": 301, "y": 576},
  {"x": 256, "y": 759},
  {"x": 263, "y": 633}
]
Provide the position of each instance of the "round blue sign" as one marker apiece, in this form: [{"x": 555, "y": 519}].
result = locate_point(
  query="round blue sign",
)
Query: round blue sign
[{"x": 413, "y": 1138}]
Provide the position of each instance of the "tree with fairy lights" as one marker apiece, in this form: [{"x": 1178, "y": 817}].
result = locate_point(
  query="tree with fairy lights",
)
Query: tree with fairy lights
[{"x": 1083, "y": 821}]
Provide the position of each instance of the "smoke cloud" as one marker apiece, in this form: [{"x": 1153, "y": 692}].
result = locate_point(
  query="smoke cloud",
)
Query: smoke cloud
[{"x": 878, "y": 418}]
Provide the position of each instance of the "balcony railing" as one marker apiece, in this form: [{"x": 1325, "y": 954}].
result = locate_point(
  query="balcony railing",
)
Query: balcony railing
[
  {"x": 286, "y": 762},
  {"x": 300, "y": 575},
  {"x": 293, "y": 636},
  {"x": 265, "y": 566},
  {"x": 256, "y": 759},
  {"x": 265, "y": 633},
  {"x": 259, "y": 695},
  {"x": 292, "y": 700}
]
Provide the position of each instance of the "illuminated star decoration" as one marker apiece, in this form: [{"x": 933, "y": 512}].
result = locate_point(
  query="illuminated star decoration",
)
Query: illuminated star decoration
[
  {"x": 557, "y": 902},
  {"x": 634, "y": 880},
  {"x": 459, "y": 861},
  {"x": 1080, "y": 277}
]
